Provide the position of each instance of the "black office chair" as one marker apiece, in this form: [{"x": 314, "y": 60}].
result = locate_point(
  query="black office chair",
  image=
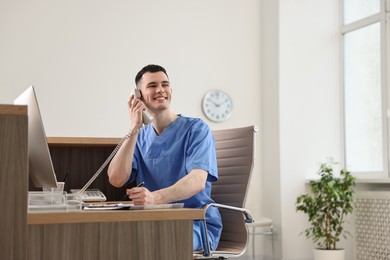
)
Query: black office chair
[{"x": 235, "y": 156}]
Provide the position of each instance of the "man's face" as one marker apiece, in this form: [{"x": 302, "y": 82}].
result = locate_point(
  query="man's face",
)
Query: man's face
[{"x": 156, "y": 90}]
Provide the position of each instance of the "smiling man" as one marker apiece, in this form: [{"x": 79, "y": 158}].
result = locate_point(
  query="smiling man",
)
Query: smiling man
[{"x": 174, "y": 156}]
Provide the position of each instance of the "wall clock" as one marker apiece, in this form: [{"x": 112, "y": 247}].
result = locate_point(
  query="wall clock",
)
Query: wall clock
[{"x": 217, "y": 105}]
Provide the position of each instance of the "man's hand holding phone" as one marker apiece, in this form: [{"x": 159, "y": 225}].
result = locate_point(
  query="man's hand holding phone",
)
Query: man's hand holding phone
[
  {"x": 146, "y": 117},
  {"x": 137, "y": 109}
]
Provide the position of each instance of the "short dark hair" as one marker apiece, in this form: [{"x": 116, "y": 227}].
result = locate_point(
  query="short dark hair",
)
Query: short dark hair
[{"x": 149, "y": 68}]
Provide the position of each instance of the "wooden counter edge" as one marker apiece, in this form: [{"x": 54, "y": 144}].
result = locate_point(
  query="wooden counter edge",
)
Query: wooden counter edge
[
  {"x": 114, "y": 216},
  {"x": 82, "y": 141},
  {"x": 13, "y": 110}
]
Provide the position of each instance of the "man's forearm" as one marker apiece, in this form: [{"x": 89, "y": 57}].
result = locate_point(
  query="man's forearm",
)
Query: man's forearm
[
  {"x": 185, "y": 188},
  {"x": 120, "y": 167}
]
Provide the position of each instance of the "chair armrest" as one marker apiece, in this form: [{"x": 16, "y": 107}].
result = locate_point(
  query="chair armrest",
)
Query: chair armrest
[
  {"x": 247, "y": 213},
  {"x": 206, "y": 243}
]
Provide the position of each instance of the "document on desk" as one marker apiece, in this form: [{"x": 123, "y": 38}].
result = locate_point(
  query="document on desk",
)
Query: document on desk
[
  {"x": 159, "y": 206},
  {"x": 119, "y": 206},
  {"x": 106, "y": 206}
]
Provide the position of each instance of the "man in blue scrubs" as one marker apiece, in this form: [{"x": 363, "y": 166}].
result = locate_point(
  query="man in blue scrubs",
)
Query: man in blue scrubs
[{"x": 174, "y": 155}]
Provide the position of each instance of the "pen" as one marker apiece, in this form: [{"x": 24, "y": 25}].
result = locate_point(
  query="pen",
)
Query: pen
[{"x": 126, "y": 197}]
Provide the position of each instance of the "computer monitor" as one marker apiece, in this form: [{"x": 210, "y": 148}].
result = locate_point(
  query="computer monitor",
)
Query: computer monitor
[{"x": 41, "y": 170}]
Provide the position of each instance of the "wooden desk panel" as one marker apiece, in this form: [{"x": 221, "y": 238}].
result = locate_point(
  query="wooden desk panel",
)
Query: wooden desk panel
[
  {"x": 13, "y": 181},
  {"x": 141, "y": 240},
  {"x": 126, "y": 234}
]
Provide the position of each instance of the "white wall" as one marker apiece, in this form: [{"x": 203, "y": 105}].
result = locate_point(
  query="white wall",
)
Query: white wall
[
  {"x": 300, "y": 113},
  {"x": 310, "y": 108},
  {"x": 271, "y": 177},
  {"x": 82, "y": 57}
]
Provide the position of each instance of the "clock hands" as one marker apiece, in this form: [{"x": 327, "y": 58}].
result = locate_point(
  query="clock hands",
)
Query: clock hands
[
  {"x": 218, "y": 104},
  {"x": 212, "y": 101}
]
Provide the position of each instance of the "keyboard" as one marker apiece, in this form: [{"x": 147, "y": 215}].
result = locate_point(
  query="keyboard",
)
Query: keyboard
[{"x": 91, "y": 195}]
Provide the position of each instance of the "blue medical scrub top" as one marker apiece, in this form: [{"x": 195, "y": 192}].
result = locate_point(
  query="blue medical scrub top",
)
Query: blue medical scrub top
[{"x": 160, "y": 161}]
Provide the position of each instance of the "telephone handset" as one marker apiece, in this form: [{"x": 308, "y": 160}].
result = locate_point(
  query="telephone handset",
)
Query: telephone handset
[{"x": 146, "y": 117}]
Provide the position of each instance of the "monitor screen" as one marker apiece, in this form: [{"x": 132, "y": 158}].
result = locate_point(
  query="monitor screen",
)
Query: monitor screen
[{"x": 41, "y": 169}]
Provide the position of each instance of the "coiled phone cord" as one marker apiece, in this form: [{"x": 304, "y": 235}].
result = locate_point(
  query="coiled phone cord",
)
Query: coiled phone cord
[{"x": 128, "y": 136}]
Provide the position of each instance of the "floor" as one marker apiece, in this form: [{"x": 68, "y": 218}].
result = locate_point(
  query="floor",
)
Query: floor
[{"x": 256, "y": 254}]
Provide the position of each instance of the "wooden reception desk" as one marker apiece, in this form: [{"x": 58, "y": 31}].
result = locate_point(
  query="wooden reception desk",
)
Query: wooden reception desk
[{"x": 119, "y": 234}]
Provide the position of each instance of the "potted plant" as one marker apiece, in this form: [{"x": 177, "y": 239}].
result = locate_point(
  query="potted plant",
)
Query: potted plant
[{"x": 327, "y": 205}]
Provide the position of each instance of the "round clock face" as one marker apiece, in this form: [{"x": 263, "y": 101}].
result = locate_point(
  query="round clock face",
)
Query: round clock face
[{"x": 217, "y": 105}]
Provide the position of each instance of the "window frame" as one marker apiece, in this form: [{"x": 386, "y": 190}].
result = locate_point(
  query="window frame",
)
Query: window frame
[{"x": 383, "y": 18}]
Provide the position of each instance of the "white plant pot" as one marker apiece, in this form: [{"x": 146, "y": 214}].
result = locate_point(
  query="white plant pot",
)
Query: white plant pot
[{"x": 322, "y": 254}]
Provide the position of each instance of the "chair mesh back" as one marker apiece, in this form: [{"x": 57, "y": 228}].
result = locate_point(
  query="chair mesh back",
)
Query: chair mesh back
[{"x": 235, "y": 152}]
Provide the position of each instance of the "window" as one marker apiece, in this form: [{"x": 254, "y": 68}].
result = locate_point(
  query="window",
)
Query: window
[
  {"x": 355, "y": 10},
  {"x": 365, "y": 101}
]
